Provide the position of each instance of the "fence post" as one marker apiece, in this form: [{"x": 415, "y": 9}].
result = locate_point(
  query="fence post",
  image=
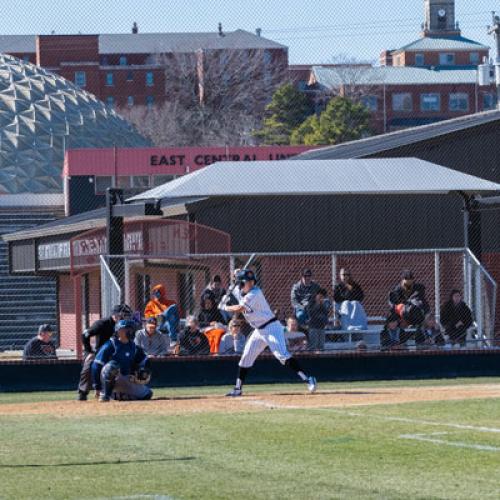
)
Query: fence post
[
  {"x": 479, "y": 303},
  {"x": 437, "y": 287},
  {"x": 334, "y": 271},
  {"x": 467, "y": 279}
]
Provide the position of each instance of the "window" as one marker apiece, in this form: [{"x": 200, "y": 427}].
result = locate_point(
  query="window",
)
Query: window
[
  {"x": 110, "y": 101},
  {"x": 430, "y": 102},
  {"x": 110, "y": 80},
  {"x": 150, "y": 79},
  {"x": 419, "y": 59},
  {"x": 268, "y": 57},
  {"x": 123, "y": 60},
  {"x": 26, "y": 58},
  {"x": 130, "y": 101},
  {"x": 459, "y": 102},
  {"x": 402, "y": 102},
  {"x": 370, "y": 102},
  {"x": 130, "y": 76},
  {"x": 474, "y": 58},
  {"x": 80, "y": 78},
  {"x": 102, "y": 182},
  {"x": 489, "y": 101},
  {"x": 150, "y": 100},
  {"x": 446, "y": 59},
  {"x": 140, "y": 181},
  {"x": 123, "y": 181},
  {"x": 104, "y": 60},
  {"x": 158, "y": 180}
]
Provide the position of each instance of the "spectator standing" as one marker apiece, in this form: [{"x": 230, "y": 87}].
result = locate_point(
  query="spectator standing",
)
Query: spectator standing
[
  {"x": 319, "y": 313},
  {"x": 102, "y": 330},
  {"x": 165, "y": 311},
  {"x": 407, "y": 299},
  {"x": 41, "y": 346},
  {"x": 215, "y": 289},
  {"x": 456, "y": 317},
  {"x": 151, "y": 340},
  {"x": 233, "y": 342},
  {"x": 193, "y": 341},
  {"x": 303, "y": 296},
  {"x": 348, "y": 296},
  {"x": 429, "y": 334}
]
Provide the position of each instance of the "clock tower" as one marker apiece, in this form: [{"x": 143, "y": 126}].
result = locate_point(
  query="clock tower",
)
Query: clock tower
[{"x": 440, "y": 19}]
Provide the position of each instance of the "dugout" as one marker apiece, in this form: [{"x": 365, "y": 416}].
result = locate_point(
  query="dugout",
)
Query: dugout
[{"x": 201, "y": 213}]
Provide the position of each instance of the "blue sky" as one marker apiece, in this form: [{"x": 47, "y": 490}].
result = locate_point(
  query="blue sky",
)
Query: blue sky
[{"x": 315, "y": 31}]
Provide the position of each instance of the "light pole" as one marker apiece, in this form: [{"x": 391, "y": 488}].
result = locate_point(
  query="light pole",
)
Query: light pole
[{"x": 495, "y": 30}]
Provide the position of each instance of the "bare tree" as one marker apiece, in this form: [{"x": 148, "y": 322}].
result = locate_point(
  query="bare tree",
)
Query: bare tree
[{"x": 213, "y": 97}]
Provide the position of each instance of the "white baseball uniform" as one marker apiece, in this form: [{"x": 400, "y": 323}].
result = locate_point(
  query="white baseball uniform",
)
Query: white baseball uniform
[{"x": 258, "y": 313}]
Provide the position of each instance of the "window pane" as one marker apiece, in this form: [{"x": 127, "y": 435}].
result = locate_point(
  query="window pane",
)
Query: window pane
[
  {"x": 130, "y": 100},
  {"x": 130, "y": 76},
  {"x": 459, "y": 102},
  {"x": 446, "y": 59},
  {"x": 430, "y": 102},
  {"x": 419, "y": 59},
  {"x": 123, "y": 181},
  {"x": 140, "y": 181},
  {"x": 402, "y": 102},
  {"x": 102, "y": 182},
  {"x": 370, "y": 102},
  {"x": 489, "y": 101},
  {"x": 150, "y": 100},
  {"x": 123, "y": 60},
  {"x": 158, "y": 180},
  {"x": 110, "y": 101},
  {"x": 80, "y": 78},
  {"x": 474, "y": 57},
  {"x": 149, "y": 78},
  {"x": 109, "y": 79}
]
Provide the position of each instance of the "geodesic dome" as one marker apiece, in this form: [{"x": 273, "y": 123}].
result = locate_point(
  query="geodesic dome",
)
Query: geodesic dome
[{"x": 42, "y": 115}]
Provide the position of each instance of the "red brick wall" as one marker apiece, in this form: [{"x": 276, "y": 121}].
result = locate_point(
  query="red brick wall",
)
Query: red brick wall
[{"x": 67, "y": 317}]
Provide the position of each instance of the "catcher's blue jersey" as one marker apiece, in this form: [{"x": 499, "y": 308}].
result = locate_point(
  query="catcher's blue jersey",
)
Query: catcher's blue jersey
[{"x": 126, "y": 355}]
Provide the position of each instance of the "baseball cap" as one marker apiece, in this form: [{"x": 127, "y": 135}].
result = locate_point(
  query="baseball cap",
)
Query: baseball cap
[
  {"x": 217, "y": 278},
  {"x": 45, "y": 328},
  {"x": 307, "y": 272},
  {"x": 407, "y": 275},
  {"x": 152, "y": 319},
  {"x": 117, "y": 309}
]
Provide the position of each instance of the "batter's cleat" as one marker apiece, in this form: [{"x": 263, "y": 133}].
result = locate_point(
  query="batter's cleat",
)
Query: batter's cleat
[
  {"x": 311, "y": 384},
  {"x": 82, "y": 396},
  {"x": 104, "y": 399},
  {"x": 235, "y": 393}
]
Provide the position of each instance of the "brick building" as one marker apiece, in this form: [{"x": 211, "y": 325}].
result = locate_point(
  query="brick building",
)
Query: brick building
[
  {"x": 430, "y": 79},
  {"x": 144, "y": 68}
]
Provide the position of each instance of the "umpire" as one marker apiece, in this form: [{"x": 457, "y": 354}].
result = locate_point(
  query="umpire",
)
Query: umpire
[{"x": 102, "y": 330}]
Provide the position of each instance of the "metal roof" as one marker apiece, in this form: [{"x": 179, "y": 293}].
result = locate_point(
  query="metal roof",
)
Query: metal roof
[
  {"x": 386, "y": 142},
  {"x": 319, "y": 177},
  {"x": 392, "y": 75},
  {"x": 93, "y": 219},
  {"x": 154, "y": 43},
  {"x": 442, "y": 43}
]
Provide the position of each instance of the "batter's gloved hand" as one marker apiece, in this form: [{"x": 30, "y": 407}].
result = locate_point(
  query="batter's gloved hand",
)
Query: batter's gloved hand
[{"x": 141, "y": 376}]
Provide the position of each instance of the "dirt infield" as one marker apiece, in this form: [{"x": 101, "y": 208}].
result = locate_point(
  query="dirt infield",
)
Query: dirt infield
[{"x": 257, "y": 401}]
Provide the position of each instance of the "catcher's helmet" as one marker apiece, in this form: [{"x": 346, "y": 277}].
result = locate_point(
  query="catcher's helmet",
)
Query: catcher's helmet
[
  {"x": 243, "y": 276},
  {"x": 125, "y": 324}
]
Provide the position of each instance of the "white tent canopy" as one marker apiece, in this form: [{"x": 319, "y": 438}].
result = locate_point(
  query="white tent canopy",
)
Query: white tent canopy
[{"x": 379, "y": 176}]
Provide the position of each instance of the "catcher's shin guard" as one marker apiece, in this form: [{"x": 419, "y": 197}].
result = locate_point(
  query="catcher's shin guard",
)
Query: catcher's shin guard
[{"x": 109, "y": 374}]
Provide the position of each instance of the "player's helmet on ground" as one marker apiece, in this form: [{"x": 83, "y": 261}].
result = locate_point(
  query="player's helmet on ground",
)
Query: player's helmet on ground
[
  {"x": 243, "y": 276},
  {"x": 126, "y": 324}
]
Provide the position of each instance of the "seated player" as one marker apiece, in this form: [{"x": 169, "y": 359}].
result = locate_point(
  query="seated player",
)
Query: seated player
[
  {"x": 393, "y": 336},
  {"x": 121, "y": 368},
  {"x": 319, "y": 313},
  {"x": 165, "y": 311},
  {"x": 429, "y": 334},
  {"x": 41, "y": 346},
  {"x": 456, "y": 318},
  {"x": 348, "y": 296}
]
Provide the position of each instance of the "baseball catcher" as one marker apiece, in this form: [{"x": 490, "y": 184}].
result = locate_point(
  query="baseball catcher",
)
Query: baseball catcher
[{"x": 121, "y": 368}]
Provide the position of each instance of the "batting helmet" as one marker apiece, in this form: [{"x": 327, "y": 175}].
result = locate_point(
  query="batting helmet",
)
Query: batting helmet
[{"x": 245, "y": 275}]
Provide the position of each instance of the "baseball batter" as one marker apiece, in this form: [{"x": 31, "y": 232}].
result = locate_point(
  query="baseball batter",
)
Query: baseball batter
[{"x": 268, "y": 331}]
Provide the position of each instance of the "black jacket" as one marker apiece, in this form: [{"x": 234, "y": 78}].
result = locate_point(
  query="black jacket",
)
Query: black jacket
[
  {"x": 37, "y": 349},
  {"x": 303, "y": 296},
  {"x": 342, "y": 293},
  {"x": 401, "y": 295},
  {"x": 451, "y": 314},
  {"x": 206, "y": 316},
  {"x": 102, "y": 329},
  {"x": 194, "y": 342}
]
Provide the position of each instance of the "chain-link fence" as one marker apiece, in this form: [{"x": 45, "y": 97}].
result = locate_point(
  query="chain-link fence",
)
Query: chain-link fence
[{"x": 357, "y": 323}]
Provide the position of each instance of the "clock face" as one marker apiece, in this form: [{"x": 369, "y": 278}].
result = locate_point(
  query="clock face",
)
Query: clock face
[{"x": 441, "y": 13}]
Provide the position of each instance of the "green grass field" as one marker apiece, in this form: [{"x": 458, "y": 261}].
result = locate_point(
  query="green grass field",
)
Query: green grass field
[{"x": 397, "y": 451}]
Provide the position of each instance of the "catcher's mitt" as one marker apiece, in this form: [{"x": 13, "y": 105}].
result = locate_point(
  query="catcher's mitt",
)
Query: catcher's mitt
[{"x": 141, "y": 376}]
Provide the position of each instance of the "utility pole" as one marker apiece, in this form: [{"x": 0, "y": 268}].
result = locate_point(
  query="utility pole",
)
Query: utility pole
[{"x": 495, "y": 30}]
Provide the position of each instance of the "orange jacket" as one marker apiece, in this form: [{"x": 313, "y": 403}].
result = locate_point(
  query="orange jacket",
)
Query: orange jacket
[{"x": 156, "y": 306}]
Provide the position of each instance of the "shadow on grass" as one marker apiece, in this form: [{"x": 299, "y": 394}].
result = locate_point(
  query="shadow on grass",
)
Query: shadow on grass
[{"x": 103, "y": 462}]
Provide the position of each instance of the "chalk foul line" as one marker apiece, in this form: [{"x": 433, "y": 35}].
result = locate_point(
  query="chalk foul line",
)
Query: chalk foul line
[{"x": 428, "y": 438}]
